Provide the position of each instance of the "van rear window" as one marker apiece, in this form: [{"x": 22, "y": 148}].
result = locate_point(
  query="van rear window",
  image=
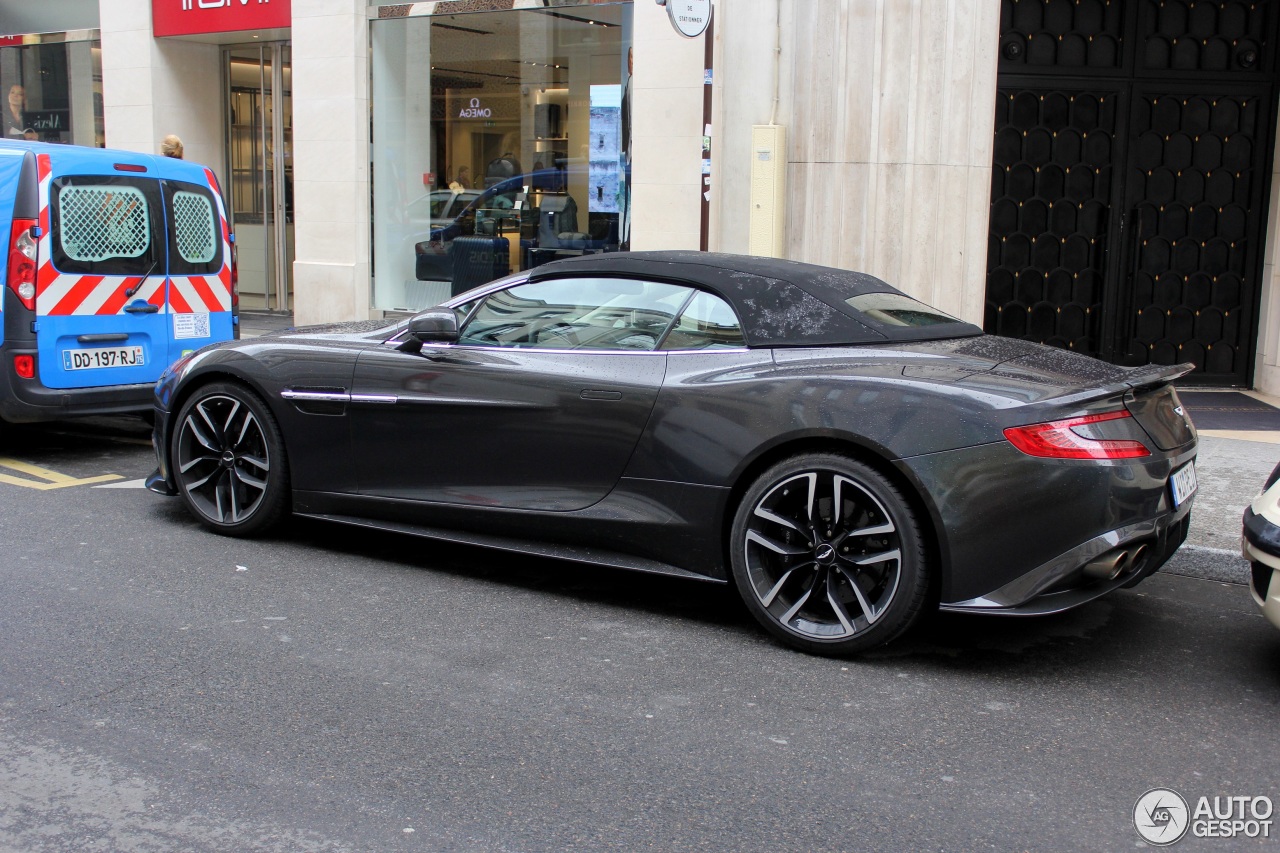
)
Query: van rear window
[
  {"x": 106, "y": 225},
  {"x": 101, "y": 222},
  {"x": 194, "y": 227}
]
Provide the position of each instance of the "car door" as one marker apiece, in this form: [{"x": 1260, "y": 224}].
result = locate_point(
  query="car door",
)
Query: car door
[
  {"x": 101, "y": 278},
  {"x": 538, "y": 406}
]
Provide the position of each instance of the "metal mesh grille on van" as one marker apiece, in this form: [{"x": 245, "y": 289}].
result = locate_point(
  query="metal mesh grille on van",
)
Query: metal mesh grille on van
[
  {"x": 194, "y": 227},
  {"x": 99, "y": 222}
]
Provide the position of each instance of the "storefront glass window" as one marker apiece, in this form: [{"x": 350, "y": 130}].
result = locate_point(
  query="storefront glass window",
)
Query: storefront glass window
[
  {"x": 498, "y": 144},
  {"x": 52, "y": 88}
]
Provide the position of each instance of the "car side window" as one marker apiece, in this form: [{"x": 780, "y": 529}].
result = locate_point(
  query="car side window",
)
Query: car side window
[
  {"x": 577, "y": 314},
  {"x": 707, "y": 323}
]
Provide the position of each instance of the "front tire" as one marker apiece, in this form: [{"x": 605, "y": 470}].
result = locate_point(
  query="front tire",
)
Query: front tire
[
  {"x": 828, "y": 555},
  {"x": 229, "y": 462}
]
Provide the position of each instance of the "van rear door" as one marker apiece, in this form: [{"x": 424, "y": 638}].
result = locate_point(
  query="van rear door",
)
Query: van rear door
[
  {"x": 199, "y": 252},
  {"x": 101, "y": 286}
]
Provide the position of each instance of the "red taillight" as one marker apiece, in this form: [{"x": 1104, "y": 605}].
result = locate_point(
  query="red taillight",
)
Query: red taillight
[
  {"x": 1059, "y": 440},
  {"x": 25, "y": 366},
  {"x": 22, "y": 262}
]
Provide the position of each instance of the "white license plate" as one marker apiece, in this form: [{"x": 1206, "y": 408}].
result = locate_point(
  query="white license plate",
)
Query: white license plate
[
  {"x": 91, "y": 359},
  {"x": 1184, "y": 483}
]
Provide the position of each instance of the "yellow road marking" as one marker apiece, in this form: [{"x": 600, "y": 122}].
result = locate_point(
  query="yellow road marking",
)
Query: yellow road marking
[{"x": 52, "y": 479}]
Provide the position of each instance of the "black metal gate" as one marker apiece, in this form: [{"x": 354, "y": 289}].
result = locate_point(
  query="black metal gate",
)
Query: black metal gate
[{"x": 1133, "y": 147}]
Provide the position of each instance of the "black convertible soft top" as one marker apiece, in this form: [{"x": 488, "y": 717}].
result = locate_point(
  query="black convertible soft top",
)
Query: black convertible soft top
[{"x": 780, "y": 303}]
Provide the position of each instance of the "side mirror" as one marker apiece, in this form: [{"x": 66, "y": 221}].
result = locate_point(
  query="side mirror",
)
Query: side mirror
[{"x": 438, "y": 325}]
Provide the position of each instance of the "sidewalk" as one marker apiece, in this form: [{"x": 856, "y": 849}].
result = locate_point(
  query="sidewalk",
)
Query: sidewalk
[{"x": 254, "y": 323}]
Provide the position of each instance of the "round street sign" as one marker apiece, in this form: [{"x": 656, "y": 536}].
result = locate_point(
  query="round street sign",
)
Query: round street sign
[{"x": 689, "y": 17}]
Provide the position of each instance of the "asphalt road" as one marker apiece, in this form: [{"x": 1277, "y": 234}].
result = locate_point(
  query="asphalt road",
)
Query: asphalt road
[{"x": 163, "y": 689}]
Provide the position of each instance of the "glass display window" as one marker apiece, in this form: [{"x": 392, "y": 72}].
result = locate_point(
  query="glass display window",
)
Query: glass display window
[
  {"x": 52, "y": 88},
  {"x": 500, "y": 142}
]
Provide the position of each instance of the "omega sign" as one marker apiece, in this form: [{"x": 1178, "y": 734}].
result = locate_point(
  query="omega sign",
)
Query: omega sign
[
  {"x": 196, "y": 17},
  {"x": 689, "y": 17},
  {"x": 475, "y": 110}
]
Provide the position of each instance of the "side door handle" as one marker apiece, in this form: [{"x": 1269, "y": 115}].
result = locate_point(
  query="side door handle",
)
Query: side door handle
[{"x": 141, "y": 306}]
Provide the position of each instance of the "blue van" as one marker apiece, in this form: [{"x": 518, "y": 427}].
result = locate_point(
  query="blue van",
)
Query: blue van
[{"x": 115, "y": 264}]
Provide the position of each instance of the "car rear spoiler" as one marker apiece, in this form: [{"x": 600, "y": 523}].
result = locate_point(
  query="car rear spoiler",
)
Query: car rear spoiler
[
  {"x": 1136, "y": 379},
  {"x": 1157, "y": 374}
]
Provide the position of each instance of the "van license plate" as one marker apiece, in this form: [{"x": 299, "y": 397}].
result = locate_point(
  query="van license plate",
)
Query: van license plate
[
  {"x": 1184, "y": 483},
  {"x": 89, "y": 359}
]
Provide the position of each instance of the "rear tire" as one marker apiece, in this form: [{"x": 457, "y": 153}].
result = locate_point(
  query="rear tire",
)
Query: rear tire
[
  {"x": 229, "y": 461},
  {"x": 828, "y": 555}
]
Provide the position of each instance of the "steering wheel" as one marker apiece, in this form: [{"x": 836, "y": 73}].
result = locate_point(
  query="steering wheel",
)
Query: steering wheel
[
  {"x": 626, "y": 338},
  {"x": 568, "y": 332}
]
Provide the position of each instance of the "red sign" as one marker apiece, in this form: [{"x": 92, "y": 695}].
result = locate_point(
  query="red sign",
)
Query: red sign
[
  {"x": 6, "y": 41},
  {"x": 196, "y": 17}
]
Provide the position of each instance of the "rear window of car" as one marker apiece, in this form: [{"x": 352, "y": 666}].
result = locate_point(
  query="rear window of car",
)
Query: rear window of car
[
  {"x": 895, "y": 309},
  {"x": 104, "y": 225}
]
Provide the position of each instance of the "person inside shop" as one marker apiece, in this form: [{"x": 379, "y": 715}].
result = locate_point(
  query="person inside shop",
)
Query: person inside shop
[
  {"x": 14, "y": 126},
  {"x": 462, "y": 181},
  {"x": 171, "y": 146},
  {"x": 30, "y": 135}
]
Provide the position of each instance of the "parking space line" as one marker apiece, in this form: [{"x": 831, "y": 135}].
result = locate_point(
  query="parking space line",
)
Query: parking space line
[
  {"x": 52, "y": 479},
  {"x": 127, "y": 484}
]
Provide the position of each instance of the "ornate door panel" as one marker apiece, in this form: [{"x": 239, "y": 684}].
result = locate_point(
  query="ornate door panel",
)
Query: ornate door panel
[
  {"x": 1130, "y": 179},
  {"x": 1194, "y": 226},
  {"x": 1052, "y": 189}
]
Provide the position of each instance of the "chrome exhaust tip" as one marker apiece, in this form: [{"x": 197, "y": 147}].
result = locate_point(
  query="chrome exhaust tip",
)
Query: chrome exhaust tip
[
  {"x": 1113, "y": 564},
  {"x": 1108, "y": 566}
]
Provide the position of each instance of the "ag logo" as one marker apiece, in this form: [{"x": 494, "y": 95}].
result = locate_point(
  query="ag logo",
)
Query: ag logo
[{"x": 1161, "y": 816}]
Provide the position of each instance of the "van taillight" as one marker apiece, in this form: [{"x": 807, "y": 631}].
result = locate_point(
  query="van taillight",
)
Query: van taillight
[
  {"x": 25, "y": 366},
  {"x": 22, "y": 262}
]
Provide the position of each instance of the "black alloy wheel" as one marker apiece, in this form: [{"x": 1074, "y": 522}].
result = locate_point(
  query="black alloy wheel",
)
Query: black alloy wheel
[
  {"x": 228, "y": 460},
  {"x": 828, "y": 555}
]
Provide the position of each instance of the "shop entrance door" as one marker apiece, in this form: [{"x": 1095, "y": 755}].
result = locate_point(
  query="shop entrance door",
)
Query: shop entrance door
[
  {"x": 1133, "y": 160},
  {"x": 259, "y": 122}
]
